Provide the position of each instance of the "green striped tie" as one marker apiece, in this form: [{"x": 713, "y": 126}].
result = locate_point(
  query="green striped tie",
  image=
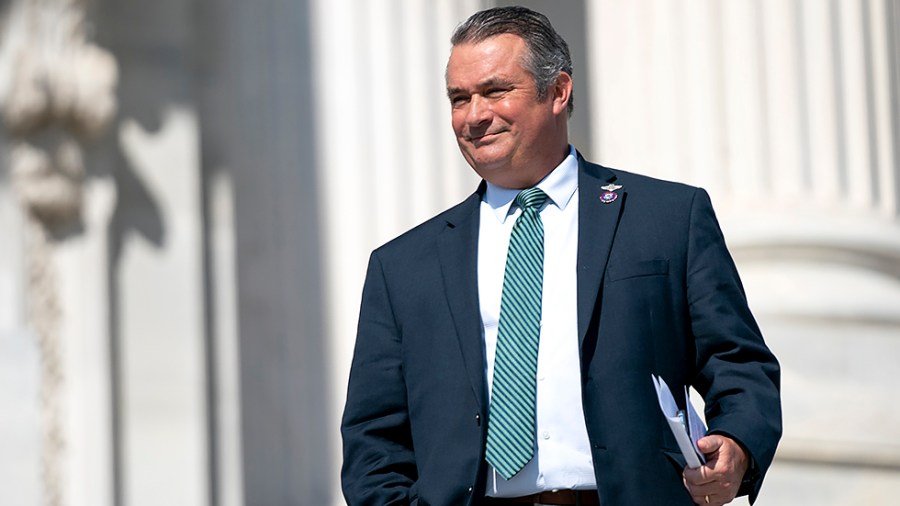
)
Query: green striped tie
[{"x": 510, "y": 437}]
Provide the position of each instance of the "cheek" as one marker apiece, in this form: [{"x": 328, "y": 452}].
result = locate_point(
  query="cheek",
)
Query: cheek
[
  {"x": 457, "y": 121},
  {"x": 506, "y": 110}
]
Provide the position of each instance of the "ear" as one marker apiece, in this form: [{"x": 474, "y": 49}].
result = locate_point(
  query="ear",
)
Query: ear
[{"x": 561, "y": 92}]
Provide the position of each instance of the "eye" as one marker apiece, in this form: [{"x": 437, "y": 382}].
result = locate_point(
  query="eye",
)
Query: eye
[
  {"x": 495, "y": 92},
  {"x": 458, "y": 100}
]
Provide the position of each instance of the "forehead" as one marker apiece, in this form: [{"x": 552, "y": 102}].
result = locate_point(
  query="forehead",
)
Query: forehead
[{"x": 497, "y": 57}]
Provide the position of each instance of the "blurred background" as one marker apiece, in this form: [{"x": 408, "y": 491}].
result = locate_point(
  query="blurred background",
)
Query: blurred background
[{"x": 189, "y": 191}]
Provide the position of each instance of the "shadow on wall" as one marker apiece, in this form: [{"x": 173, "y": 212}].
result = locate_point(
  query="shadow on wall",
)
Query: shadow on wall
[{"x": 243, "y": 73}]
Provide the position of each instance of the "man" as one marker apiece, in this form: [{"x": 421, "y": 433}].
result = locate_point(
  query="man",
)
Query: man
[{"x": 505, "y": 347}]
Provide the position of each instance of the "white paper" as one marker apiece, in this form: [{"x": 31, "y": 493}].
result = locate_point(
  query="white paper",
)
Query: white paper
[{"x": 688, "y": 428}]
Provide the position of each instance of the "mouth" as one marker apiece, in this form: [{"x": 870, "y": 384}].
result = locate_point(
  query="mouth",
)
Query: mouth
[{"x": 483, "y": 138}]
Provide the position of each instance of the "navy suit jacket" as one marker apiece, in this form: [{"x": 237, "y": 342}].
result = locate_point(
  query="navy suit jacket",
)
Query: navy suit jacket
[{"x": 658, "y": 293}]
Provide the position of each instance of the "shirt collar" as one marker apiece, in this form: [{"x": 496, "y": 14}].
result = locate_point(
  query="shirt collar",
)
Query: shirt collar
[{"x": 559, "y": 185}]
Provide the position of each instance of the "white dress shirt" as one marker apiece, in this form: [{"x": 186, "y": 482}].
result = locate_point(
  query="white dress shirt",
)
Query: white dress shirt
[{"x": 562, "y": 458}]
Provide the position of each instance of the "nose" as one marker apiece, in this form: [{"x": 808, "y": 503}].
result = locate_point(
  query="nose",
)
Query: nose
[{"x": 479, "y": 111}]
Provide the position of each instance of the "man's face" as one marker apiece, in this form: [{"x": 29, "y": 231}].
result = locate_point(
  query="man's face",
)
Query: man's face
[{"x": 505, "y": 133}]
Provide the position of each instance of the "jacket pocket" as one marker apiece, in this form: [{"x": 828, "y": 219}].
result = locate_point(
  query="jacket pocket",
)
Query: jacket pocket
[
  {"x": 676, "y": 459},
  {"x": 413, "y": 494},
  {"x": 626, "y": 270}
]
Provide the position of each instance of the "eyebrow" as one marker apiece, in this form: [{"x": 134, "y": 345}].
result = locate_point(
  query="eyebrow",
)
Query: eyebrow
[{"x": 487, "y": 83}]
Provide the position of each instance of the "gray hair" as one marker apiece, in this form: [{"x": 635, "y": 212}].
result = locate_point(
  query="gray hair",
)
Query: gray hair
[{"x": 547, "y": 55}]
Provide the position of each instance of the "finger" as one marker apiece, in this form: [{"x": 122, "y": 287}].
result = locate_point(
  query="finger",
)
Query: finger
[
  {"x": 709, "y": 444},
  {"x": 704, "y": 490},
  {"x": 706, "y": 500},
  {"x": 701, "y": 492},
  {"x": 711, "y": 484},
  {"x": 699, "y": 476},
  {"x": 717, "y": 492},
  {"x": 713, "y": 500}
]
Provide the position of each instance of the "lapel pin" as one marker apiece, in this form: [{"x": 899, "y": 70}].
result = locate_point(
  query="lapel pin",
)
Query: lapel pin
[{"x": 610, "y": 195}]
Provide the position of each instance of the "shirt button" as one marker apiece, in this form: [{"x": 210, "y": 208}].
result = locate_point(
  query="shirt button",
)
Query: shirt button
[{"x": 546, "y": 435}]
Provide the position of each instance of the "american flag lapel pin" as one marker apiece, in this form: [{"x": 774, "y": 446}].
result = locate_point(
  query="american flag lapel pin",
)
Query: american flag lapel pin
[{"x": 609, "y": 196}]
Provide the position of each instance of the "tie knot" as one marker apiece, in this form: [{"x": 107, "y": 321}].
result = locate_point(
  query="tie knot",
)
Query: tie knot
[{"x": 531, "y": 197}]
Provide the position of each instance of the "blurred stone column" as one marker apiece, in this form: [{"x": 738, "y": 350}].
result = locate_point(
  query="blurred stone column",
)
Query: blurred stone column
[
  {"x": 766, "y": 102},
  {"x": 154, "y": 240},
  {"x": 388, "y": 158},
  {"x": 58, "y": 95},
  {"x": 787, "y": 112}
]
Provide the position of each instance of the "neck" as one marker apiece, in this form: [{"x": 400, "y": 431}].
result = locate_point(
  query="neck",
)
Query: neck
[{"x": 536, "y": 171}]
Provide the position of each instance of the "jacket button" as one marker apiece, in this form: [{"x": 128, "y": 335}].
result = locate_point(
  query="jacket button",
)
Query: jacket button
[
  {"x": 478, "y": 419},
  {"x": 470, "y": 489}
]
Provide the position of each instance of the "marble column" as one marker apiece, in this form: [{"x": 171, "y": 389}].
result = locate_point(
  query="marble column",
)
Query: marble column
[
  {"x": 786, "y": 111},
  {"x": 57, "y": 92},
  {"x": 762, "y": 101},
  {"x": 388, "y": 159},
  {"x": 154, "y": 243}
]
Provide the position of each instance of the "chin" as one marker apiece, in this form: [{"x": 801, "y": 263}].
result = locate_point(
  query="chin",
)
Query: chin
[
  {"x": 486, "y": 163},
  {"x": 488, "y": 158},
  {"x": 491, "y": 170}
]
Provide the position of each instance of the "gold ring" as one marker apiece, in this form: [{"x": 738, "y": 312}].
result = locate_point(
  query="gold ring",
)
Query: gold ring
[{"x": 707, "y": 499}]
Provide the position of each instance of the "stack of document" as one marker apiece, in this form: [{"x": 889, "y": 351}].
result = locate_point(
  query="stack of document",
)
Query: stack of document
[{"x": 686, "y": 424}]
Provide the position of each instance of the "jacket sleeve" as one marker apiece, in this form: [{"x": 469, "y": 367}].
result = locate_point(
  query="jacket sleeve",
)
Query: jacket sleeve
[
  {"x": 379, "y": 464},
  {"x": 738, "y": 375}
]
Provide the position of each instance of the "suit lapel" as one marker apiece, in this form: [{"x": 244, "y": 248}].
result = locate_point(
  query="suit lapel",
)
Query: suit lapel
[
  {"x": 597, "y": 224},
  {"x": 458, "y": 247},
  {"x": 458, "y": 251}
]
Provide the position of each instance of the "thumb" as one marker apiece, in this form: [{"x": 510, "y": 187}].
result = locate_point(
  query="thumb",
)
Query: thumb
[{"x": 709, "y": 444}]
